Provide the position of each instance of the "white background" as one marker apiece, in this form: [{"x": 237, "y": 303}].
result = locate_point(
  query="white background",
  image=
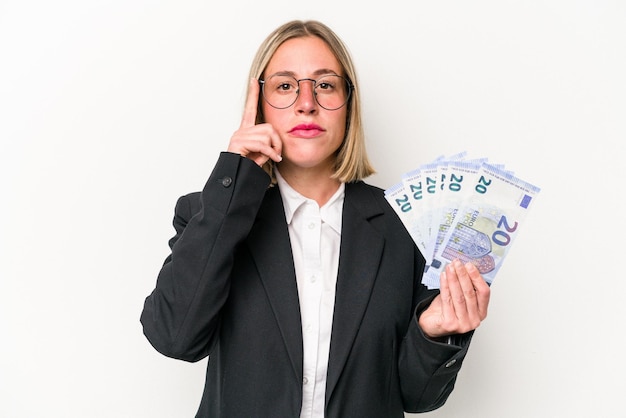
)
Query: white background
[{"x": 111, "y": 109}]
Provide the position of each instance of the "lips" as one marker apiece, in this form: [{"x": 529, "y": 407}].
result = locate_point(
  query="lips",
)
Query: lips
[{"x": 306, "y": 130}]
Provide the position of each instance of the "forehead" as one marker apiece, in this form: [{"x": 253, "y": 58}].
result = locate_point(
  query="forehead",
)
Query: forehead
[{"x": 304, "y": 57}]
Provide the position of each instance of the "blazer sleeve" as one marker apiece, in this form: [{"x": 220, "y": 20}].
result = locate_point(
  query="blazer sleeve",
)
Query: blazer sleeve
[
  {"x": 181, "y": 316},
  {"x": 427, "y": 368}
]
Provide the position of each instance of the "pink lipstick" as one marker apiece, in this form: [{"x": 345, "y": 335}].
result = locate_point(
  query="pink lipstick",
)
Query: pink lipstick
[{"x": 306, "y": 130}]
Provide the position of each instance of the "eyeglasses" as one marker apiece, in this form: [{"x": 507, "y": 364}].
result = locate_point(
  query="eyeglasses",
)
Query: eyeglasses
[{"x": 330, "y": 91}]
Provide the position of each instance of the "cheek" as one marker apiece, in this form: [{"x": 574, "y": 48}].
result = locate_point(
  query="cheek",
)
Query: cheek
[
  {"x": 341, "y": 126},
  {"x": 270, "y": 114}
]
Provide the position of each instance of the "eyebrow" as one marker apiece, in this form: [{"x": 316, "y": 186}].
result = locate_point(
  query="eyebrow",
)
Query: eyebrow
[{"x": 321, "y": 71}]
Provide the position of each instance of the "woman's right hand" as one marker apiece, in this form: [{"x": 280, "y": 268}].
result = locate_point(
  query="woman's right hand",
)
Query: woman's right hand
[{"x": 259, "y": 143}]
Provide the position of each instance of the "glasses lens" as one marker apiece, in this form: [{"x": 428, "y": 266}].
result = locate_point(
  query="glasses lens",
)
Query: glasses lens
[
  {"x": 280, "y": 91},
  {"x": 332, "y": 91}
]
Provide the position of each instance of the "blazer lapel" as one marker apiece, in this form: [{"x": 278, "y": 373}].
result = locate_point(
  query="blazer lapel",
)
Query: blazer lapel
[
  {"x": 360, "y": 253},
  {"x": 277, "y": 271}
]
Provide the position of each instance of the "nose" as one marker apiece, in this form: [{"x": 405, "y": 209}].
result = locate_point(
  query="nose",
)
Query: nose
[{"x": 306, "y": 102}]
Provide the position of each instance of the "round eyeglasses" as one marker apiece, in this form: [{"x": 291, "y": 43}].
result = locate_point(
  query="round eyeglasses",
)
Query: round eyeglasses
[{"x": 330, "y": 91}]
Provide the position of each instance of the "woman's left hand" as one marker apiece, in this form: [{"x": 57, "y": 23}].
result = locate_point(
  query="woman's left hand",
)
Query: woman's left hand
[{"x": 461, "y": 304}]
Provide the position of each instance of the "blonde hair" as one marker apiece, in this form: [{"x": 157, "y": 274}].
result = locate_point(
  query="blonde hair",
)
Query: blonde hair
[{"x": 352, "y": 163}]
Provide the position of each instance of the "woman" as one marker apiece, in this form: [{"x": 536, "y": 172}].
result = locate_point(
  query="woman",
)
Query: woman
[{"x": 294, "y": 276}]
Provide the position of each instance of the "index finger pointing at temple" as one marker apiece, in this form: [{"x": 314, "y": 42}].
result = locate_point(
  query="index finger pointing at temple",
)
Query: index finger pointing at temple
[{"x": 252, "y": 101}]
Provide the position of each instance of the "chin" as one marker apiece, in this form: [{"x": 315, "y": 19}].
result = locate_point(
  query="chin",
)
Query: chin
[{"x": 309, "y": 161}]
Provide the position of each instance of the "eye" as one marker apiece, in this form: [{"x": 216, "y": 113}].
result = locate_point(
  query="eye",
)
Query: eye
[
  {"x": 285, "y": 86},
  {"x": 282, "y": 84},
  {"x": 325, "y": 85}
]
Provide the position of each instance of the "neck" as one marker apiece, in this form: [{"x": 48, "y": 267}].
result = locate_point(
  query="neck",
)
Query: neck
[{"x": 311, "y": 183}]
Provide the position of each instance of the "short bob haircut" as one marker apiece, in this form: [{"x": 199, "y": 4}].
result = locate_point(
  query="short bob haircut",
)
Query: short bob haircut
[{"x": 351, "y": 162}]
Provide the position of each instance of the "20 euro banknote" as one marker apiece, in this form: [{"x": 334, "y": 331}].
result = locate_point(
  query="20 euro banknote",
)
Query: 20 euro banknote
[
  {"x": 471, "y": 210},
  {"x": 485, "y": 225}
]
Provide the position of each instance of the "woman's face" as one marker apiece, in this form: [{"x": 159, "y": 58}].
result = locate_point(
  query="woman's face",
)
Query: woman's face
[{"x": 310, "y": 134}]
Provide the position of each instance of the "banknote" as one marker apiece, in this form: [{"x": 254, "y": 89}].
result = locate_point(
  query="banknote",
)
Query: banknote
[
  {"x": 462, "y": 208},
  {"x": 422, "y": 189},
  {"x": 419, "y": 185},
  {"x": 398, "y": 198},
  {"x": 485, "y": 225},
  {"x": 455, "y": 182}
]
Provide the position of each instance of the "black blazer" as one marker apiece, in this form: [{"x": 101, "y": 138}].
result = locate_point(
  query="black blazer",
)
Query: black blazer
[{"x": 228, "y": 291}]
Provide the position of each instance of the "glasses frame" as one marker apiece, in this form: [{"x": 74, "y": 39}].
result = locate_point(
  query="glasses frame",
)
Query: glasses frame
[{"x": 348, "y": 83}]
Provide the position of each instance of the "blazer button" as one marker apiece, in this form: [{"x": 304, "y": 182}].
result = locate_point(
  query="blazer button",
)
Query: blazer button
[
  {"x": 450, "y": 363},
  {"x": 227, "y": 181}
]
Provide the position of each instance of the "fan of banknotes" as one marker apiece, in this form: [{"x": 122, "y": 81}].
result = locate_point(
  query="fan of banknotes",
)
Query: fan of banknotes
[{"x": 459, "y": 207}]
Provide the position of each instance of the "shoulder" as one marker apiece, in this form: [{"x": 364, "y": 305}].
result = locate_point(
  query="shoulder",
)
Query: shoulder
[
  {"x": 370, "y": 201},
  {"x": 367, "y": 197}
]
